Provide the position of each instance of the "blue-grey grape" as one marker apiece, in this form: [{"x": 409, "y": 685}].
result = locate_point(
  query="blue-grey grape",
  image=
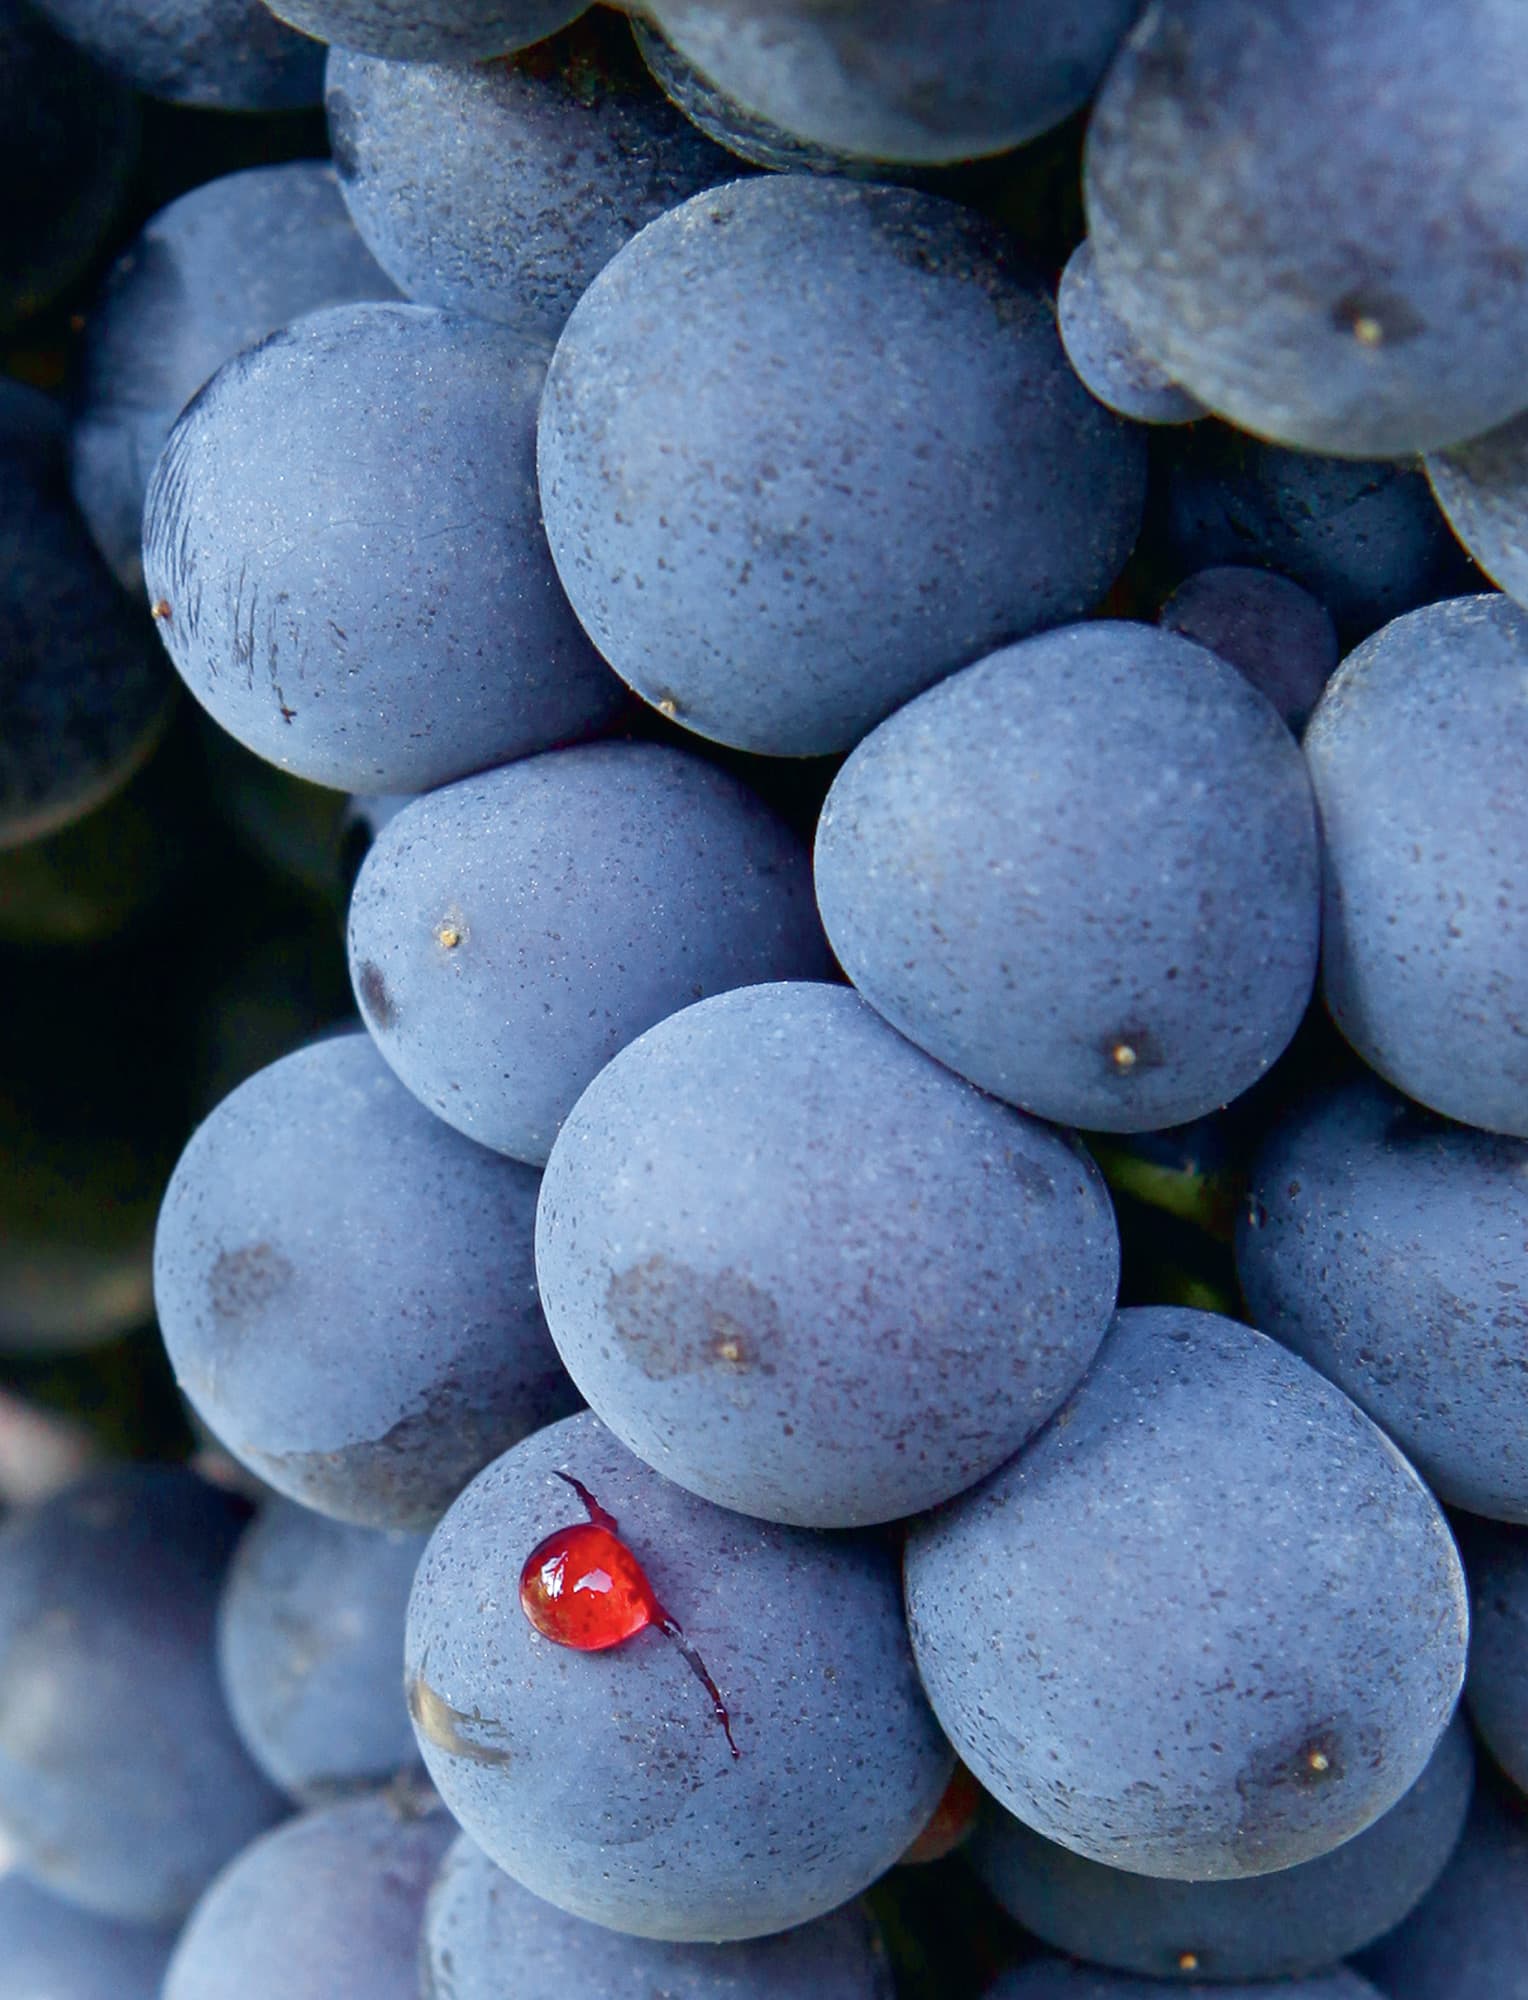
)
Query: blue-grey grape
[
  {"x": 54, "y": 1950},
  {"x": 1208, "y": 1624},
  {"x": 1106, "y": 354},
  {"x": 1280, "y": 636},
  {"x": 1416, "y": 753},
  {"x": 230, "y": 55},
  {"x": 1084, "y": 874},
  {"x": 806, "y": 1272}
]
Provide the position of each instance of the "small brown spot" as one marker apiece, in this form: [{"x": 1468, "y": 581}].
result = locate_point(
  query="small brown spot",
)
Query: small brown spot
[
  {"x": 161, "y": 607},
  {"x": 448, "y": 937},
  {"x": 1188, "y": 1961},
  {"x": 667, "y": 706},
  {"x": 245, "y": 1281},
  {"x": 1319, "y": 1761},
  {"x": 673, "y": 1320},
  {"x": 1367, "y": 330},
  {"x": 375, "y": 999},
  {"x": 446, "y": 1727},
  {"x": 1123, "y": 1056}
]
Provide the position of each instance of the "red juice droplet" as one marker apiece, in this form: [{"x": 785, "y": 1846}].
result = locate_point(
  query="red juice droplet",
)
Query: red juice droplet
[{"x": 581, "y": 1586}]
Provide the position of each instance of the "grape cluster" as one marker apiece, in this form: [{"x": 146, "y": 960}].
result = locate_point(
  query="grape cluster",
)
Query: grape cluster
[{"x": 764, "y": 1201}]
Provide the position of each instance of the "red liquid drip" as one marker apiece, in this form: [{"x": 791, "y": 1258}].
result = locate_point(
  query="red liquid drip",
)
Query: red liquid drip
[{"x": 582, "y": 1587}]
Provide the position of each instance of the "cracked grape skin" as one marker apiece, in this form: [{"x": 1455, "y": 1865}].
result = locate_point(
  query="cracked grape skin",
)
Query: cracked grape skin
[
  {"x": 1416, "y": 754},
  {"x": 602, "y": 1781},
  {"x": 123, "y": 1785},
  {"x": 213, "y": 272},
  {"x": 327, "y": 1907},
  {"x": 1276, "y": 1926},
  {"x": 1084, "y": 874},
  {"x": 803, "y": 1270},
  {"x": 310, "y": 1650},
  {"x": 1316, "y": 218},
  {"x": 1289, "y": 1650},
  {"x": 511, "y": 933},
  {"x": 1389, "y": 1247},
  {"x": 346, "y": 1290},
  {"x": 343, "y": 546},
  {"x": 777, "y": 555},
  {"x": 486, "y": 1938},
  {"x": 503, "y": 188},
  {"x": 53, "y": 1950}
]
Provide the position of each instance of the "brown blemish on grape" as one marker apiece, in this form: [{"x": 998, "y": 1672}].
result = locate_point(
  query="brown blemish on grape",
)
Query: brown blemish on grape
[
  {"x": 375, "y": 999},
  {"x": 672, "y": 1320},
  {"x": 160, "y": 608},
  {"x": 245, "y": 1281},
  {"x": 446, "y": 1727}
]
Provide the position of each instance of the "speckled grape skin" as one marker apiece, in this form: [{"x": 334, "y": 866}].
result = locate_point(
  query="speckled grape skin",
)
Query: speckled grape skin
[
  {"x": 345, "y": 1286},
  {"x": 1390, "y": 1249},
  {"x": 84, "y": 695},
  {"x": 1276, "y": 1926},
  {"x": 602, "y": 1781},
  {"x": 1468, "y": 1938},
  {"x": 806, "y": 1272},
  {"x": 1106, "y": 354},
  {"x": 1274, "y": 632},
  {"x": 776, "y": 556},
  {"x": 503, "y": 188},
  {"x": 227, "y": 55},
  {"x": 1275, "y": 196},
  {"x": 122, "y": 1783},
  {"x": 343, "y": 526},
  {"x": 435, "y": 31},
  {"x": 508, "y": 935},
  {"x": 1100, "y": 840},
  {"x": 1208, "y": 1571},
  {"x": 1496, "y": 1687},
  {"x": 310, "y": 1650},
  {"x": 1482, "y": 487},
  {"x": 215, "y": 271},
  {"x": 53, "y": 1950},
  {"x": 1062, "y": 1979},
  {"x": 1364, "y": 536},
  {"x": 923, "y": 84},
  {"x": 328, "y": 1907},
  {"x": 1417, "y": 754},
  {"x": 486, "y": 1938}
]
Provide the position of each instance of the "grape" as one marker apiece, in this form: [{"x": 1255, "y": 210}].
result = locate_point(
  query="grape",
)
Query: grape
[
  {"x": 122, "y": 1784},
  {"x": 1276, "y": 1926},
  {"x": 1363, "y": 536},
  {"x": 1317, "y": 217},
  {"x": 53, "y": 1950},
  {"x": 806, "y": 1272},
  {"x": 217, "y": 270},
  {"x": 600, "y": 1780},
  {"x": 1104, "y": 352},
  {"x": 1470, "y": 1936},
  {"x": 1207, "y": 1625},
  {"x": 232, "y": 55},
  {"x": 435, "y": 31},
  {"x": 1482, "y": 487},
  {"x": 920, "y": 83},
  {"x": 1496, "y": 1689},
  {"x": 807, "y": 445},
  {"x": 1390, "y": 1249},
  {"x": 501, "y": 189},
  {"x": 310, "y": 1649},
  {"x": 1416, "y": 754},
  {"x": 69, "y": 136},
  {"x": 1269, "y": 628},
  {"x": 84, "y": 696},
  {"x": 328, "y": 1907},
  {"x": 1083, "y": 873},
  {"x": 486, "y": 1938},
  {"x": 345, "y": 1287},
  {"x": 1061, "y": 1979},
  {"x": 341, "y": 544},
  {"x": 742, "y": 132},
  {"x": 510, "y": 933}
]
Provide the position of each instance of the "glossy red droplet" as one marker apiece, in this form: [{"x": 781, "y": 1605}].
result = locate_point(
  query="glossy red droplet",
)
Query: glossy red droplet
[{"x": 582, "y": 1587}]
